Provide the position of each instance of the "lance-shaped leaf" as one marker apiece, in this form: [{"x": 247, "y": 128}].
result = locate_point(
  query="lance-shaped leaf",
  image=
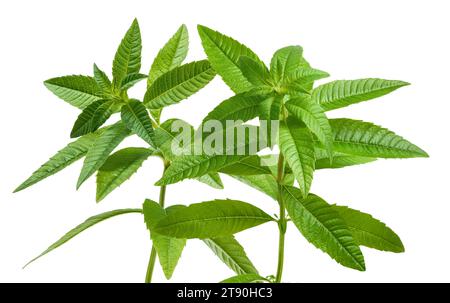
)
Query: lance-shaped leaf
[
  {"x": 79, "y": 91},
  {"x": 269, "y": 113},
  {"x": 321, "y": 225},
  {"x": 211, "y": 219},
  {"x": 135, "y": 116},
  {"x": 191, "y": 166},
  {"x": 102, "y": 80},
  {"x": 101, "y": 149},
  {"x": 285, "y": 61},
  {"x": 296, "y": 144},
  {"x": 118, "y": 168},
  {"x": 314, "y": 118},
  {"x": 369, "y": 140},
  {"x": 92, "y": 117},
  {"x": 169, "y": 249},
  {"x": 248, "y": 166},
  {"x": 63, "y": 158},
  {"x": 131, "y": 79},
  {"x": 305, "y": 76},
  {"x": 340, "y": 160},
  {"x": 224, "y": 52},
  {"x": 128, "y": 56},
  {"x": 243, "y": 106},
  {"x": 342, "y": 93},
  {"x": 246, "y": 278},
  {"x": 368, "y": 231},
  {"x": 171, "y": 55},
  {"x": 83, "y": 226},
  {"x": 256, "y": 72},
  {"x": 230, "y": 251},
  {"x": 178, "y": 84}
]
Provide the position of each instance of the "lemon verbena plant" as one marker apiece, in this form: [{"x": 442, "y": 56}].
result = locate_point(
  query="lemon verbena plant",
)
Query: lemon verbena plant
[{"x": 291, "y": 111}]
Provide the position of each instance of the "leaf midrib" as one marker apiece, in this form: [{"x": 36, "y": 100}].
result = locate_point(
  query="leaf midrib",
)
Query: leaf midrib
[
  {"x": 225, "y": 218},
  {"x": 331, "y": 100},
  {"x": 375, "y": 145},
  {"x": 374, "y": 235}
]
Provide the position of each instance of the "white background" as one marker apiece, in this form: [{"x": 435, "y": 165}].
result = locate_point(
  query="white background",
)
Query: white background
[{"x": 406, "y": 40}]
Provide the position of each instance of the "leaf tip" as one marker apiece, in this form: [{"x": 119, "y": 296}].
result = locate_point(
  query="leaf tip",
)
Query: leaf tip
[{"x": 18, "y": 188}]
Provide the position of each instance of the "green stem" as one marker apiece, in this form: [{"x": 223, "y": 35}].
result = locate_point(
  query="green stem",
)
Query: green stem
[
  {"x": 281, "y": 221},
  {"x": 152, "y": 260}
]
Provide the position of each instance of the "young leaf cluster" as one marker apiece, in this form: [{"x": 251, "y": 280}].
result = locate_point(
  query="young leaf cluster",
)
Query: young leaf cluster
[{"x": 284, "y": 92}]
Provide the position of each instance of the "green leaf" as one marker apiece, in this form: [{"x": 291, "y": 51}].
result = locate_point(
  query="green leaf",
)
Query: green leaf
[
  {"x": 269, "y": 110},
  {"x": 368, "y": 231},
  {"x": 369, "y": 140},
  {"x": 321, "y": 225},
  {"x": 101, "y": 149},
  {"x": 224, "y": 52},
  {"x": 169, "y": 249},
  {"x": 135, "y": 116},
  {"x": 230, "y": 251},
  {"x": 296, "y": 144},
  {"x": 178, "y": 84},
  {"x": 339, "y": 159},
  {"x": 191, "y": 166},
  {"x": 285, "y": 61},
  {"x": 243, "y": 106},
  {"x": 171, "y": 55},
  {"x": 212, "y": 179},
  {"x": 102, "y": 80},
  {"x": 315, "y": 119},
  {"x": 83, "y": 226},
  {"x": 342, "y": 93},
  {"x": 128, "y": 56},
  {"x": 118, "y": 168},
  {"x": 246, "y": 278},
  {"x": 256, "y": 72},
  {"x": 264, "y": 183},
  {"x": 79, "y": 91},
  {"x": 131, "y": 79},
  {"x": 92, "y": 117},
  {"x": 248, "y": 166},
  {"x": 63, "y": 158},
  {"x": 305, "y": 76},
  {"x": 211, "y": 219}
]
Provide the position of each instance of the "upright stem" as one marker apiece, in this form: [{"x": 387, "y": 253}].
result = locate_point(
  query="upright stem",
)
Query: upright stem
[
  {"x": 152, "y": 260},
  {"x": 281, "y": 221}
]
